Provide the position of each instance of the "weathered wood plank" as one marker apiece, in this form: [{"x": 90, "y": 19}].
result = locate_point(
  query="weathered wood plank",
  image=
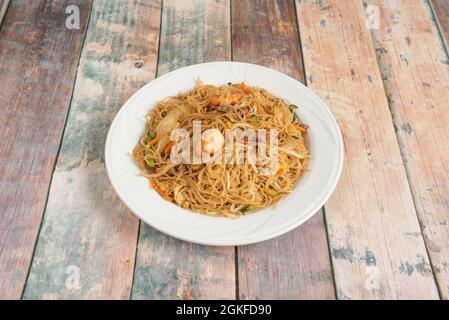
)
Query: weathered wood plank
[
  {"x": 86, "y": 248},
  {"x": 441, "y": 11},
  {"x": 3, "y": 7},
  {"x": 415, "y": 69},
  {"x": 38, "y": 57},
  {"x": 296, "y": 265},
  {"x": 166, "y": 268},
  {"x": 376, "y": 242}
]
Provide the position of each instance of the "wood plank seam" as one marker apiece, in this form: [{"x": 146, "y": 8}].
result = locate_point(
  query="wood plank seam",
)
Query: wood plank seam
[
  {"x": 306, "y": 80},
  {"x": 168, "y": 268},
  {"x": 404, "y": 159},
  {"x": 46, "y": 55},
  {"x": 400, "y": 116},
  {"x": 236, "y": 248},
  {"x": 329, "y": 248},
  {"x": 298, "y": 27},
  {"x": 439, "y": 25},
  {"x": 232, "y": 36},
  {"x": 3, "y": 7},
  {"x": 414, "y": 195},
  {"x": 407, "y": 173},
  {"x": 236, "y": 266},
  {"x": 56, "y": 157},
  {"x": 140, "y": 221},
  {"x": 83, "y": 211}
]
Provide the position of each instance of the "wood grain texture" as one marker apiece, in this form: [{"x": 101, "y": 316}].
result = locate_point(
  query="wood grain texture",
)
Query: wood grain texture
[
  {"x": 3, "y": 7},
  {"x": 415, "y": 69},
  {"x": 86, "y": 248},
  {"x": 441, "y": 11},
  {"x": 376, "y": 243},
  {"x": 166, "y": 268},
  {"x": 38, "y": 58},
  {"x": 296, "y": 265}
]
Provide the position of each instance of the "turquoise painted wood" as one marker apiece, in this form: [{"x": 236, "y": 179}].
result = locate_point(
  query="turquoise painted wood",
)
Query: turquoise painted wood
[
  {"x": 38, "y": 58},
  {"x": 166, "y": 268},
  {"x": 87, "y": 243}
]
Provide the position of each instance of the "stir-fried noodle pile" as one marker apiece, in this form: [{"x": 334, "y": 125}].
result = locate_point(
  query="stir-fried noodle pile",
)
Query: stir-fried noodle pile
[{"x": 221, "y": 188}]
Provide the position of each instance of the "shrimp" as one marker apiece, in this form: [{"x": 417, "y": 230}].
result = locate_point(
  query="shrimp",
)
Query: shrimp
[{"x": 211, "y": 142}]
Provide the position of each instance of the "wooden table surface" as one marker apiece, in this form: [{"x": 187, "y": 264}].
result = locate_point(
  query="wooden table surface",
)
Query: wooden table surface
[{"x": 384, "y": 234}]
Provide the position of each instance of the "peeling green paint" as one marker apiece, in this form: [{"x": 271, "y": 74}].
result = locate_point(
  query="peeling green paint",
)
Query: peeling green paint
[
  {"x": 85, "y": 224},
  {"x": 406, "y": 268},
  {"x": 423, "y": 268},
  {"x": 407, "y": 128},
  {"x": 344, "y": 253},
  {"x": 369, "y": 258}
]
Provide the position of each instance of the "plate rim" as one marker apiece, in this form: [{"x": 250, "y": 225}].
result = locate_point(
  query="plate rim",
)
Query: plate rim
[{"x": 281, "y": 230}]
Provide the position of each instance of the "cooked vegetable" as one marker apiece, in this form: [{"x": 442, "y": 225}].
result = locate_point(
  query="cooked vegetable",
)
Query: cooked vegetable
[
  {"x": 282, "y": 168},
  {"x": 300, "y": 126},
  {"x": 292, "y": 153},
  {"x": 168, "y": 147},
  {"x": 149, "y": 138},
  {"x": 160, "y": 191},
  {"x": 292, "y": 107},
  {"x": 154, "y": 140},
  {"x": 270, "y": 192},
  {"x": 291, "y": 143},
  {"x": 276, "y": 109},
  {"x": 169, "y": 122},
  {"x": 289, "y": 146},
  {"x": 248, "y": 209},
  {"x": 245, "y": 89},
  {"x": 150, "y": 163}
]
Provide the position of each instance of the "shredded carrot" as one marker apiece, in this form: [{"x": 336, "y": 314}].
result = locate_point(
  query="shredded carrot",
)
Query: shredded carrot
[
  {"x": 282, "y": 169},
  {"x": 155, "y": 140},
  {"x": 298, "y": 126},
  {"x": 168, "y": 147},
  {"x": 246, "y": 89},
  {"x": 160, "y": 191}
]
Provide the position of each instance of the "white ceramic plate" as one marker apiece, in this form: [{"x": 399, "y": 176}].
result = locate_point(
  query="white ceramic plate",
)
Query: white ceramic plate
[{"x": 314, "y": 188}]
